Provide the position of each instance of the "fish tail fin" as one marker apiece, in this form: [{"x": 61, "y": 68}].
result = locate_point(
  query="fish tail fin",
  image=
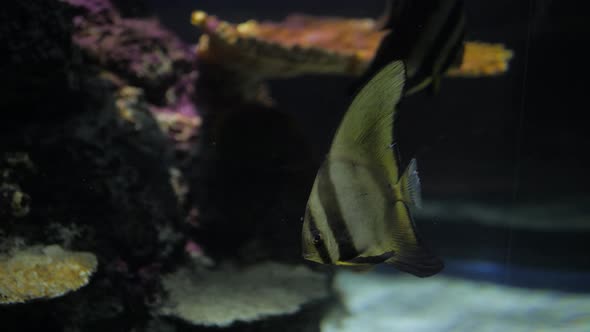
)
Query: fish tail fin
[
  {"x": 410, "y": 185},
  {"x": 410, "y": 254}
]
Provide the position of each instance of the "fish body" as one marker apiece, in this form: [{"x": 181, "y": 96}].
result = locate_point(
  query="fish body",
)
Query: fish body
[
  {"x": 358, "y": 212},
  {"x": 359, "y": 209}
]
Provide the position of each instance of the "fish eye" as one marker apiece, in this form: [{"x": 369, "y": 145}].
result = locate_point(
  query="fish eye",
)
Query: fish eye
[{"x": 317, "y": 237}]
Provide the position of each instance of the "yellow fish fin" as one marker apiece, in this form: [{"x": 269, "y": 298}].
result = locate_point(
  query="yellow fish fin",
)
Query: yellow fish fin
[
  {"x": 410, "y": 255},
  {"x": 347, "y": 263},
  {"x": 367, "y": 126},
  {"x": 410, "y": 185},
  {"x": 369, "y": 260}
]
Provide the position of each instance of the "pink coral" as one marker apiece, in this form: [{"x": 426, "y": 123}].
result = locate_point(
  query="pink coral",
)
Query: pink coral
[
  {"x": 140, "y": 51},
  {"x": 143, "y": 54}
]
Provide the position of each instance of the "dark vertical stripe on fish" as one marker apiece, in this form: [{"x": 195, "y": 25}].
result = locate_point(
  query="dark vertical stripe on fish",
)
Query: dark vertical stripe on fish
[
  {"x": 320, "y": 246},
  {"x": 331, "y": 206}
]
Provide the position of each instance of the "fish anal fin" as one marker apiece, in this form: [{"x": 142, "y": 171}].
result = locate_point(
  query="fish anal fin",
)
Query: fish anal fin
[
  {"x": 356, "y": 267},
  {"x": 371, "y": 260},
  {"x": 348, "y": 263},
  {"x": 410, "y": 185},
  {"x": 410, "y": 254},
  {"x": 417, "y": 261}
]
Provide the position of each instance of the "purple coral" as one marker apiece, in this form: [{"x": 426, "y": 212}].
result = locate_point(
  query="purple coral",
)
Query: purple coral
[
  {"x": 93, "y": 6},
  {"x": 141, "y": 51}
]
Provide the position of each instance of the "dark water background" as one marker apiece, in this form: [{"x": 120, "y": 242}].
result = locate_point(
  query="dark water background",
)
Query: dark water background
[{"x": 518, "y": 138}]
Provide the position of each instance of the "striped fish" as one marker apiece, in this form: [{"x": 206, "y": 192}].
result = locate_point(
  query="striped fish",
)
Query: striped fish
[
  {"x": 358, "y": 212},
  {"x": 427, "y": 34}
]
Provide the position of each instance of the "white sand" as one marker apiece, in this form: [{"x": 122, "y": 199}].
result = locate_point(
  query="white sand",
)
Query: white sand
[{"x": 374, "y": 302}]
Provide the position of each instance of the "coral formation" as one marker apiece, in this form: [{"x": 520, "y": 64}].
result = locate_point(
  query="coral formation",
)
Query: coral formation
[
  {"x": 306, "y": 44},
  {"x": 483, "y": 59},
  {"x": 93, "y": 161},
  {"x": 43, "y": 272},
  {"x": 141, "y": 54},
  {"x": 101, "y": 164},
  {"x": 14, "y": 167},
  {"x": 182, "y": 128},
  {"x": 236, "y": 59},
  {"x": 139, "y": 50},
  {"x": 301, "y": 44},
  {"x": 14, "y": 201},
  {"x": 220, "y": 298}
]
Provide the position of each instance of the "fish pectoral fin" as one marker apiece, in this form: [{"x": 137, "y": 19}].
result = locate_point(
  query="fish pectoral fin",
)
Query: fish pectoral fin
[
  {"x": 410, "y": 185},
  {"x": 410, "y": 254}
]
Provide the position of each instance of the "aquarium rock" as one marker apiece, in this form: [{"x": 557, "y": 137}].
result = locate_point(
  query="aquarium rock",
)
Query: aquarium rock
[
  {"x": 43, "y": 272},
  {"x": 86, "y": 164},
  {"x": 15, "y": 168},
  {"x": 231, "y": 294},
  {"x": 37, "y": 60}
]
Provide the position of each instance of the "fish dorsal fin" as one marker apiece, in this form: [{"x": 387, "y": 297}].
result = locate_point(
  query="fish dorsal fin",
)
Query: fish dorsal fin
[
  {"x": 367, "y": 126},
  {"x": 410, "y": 185}
]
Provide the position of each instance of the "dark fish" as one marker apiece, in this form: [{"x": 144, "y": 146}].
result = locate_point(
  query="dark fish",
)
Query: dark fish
[{"x": 427, "y": 34}]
